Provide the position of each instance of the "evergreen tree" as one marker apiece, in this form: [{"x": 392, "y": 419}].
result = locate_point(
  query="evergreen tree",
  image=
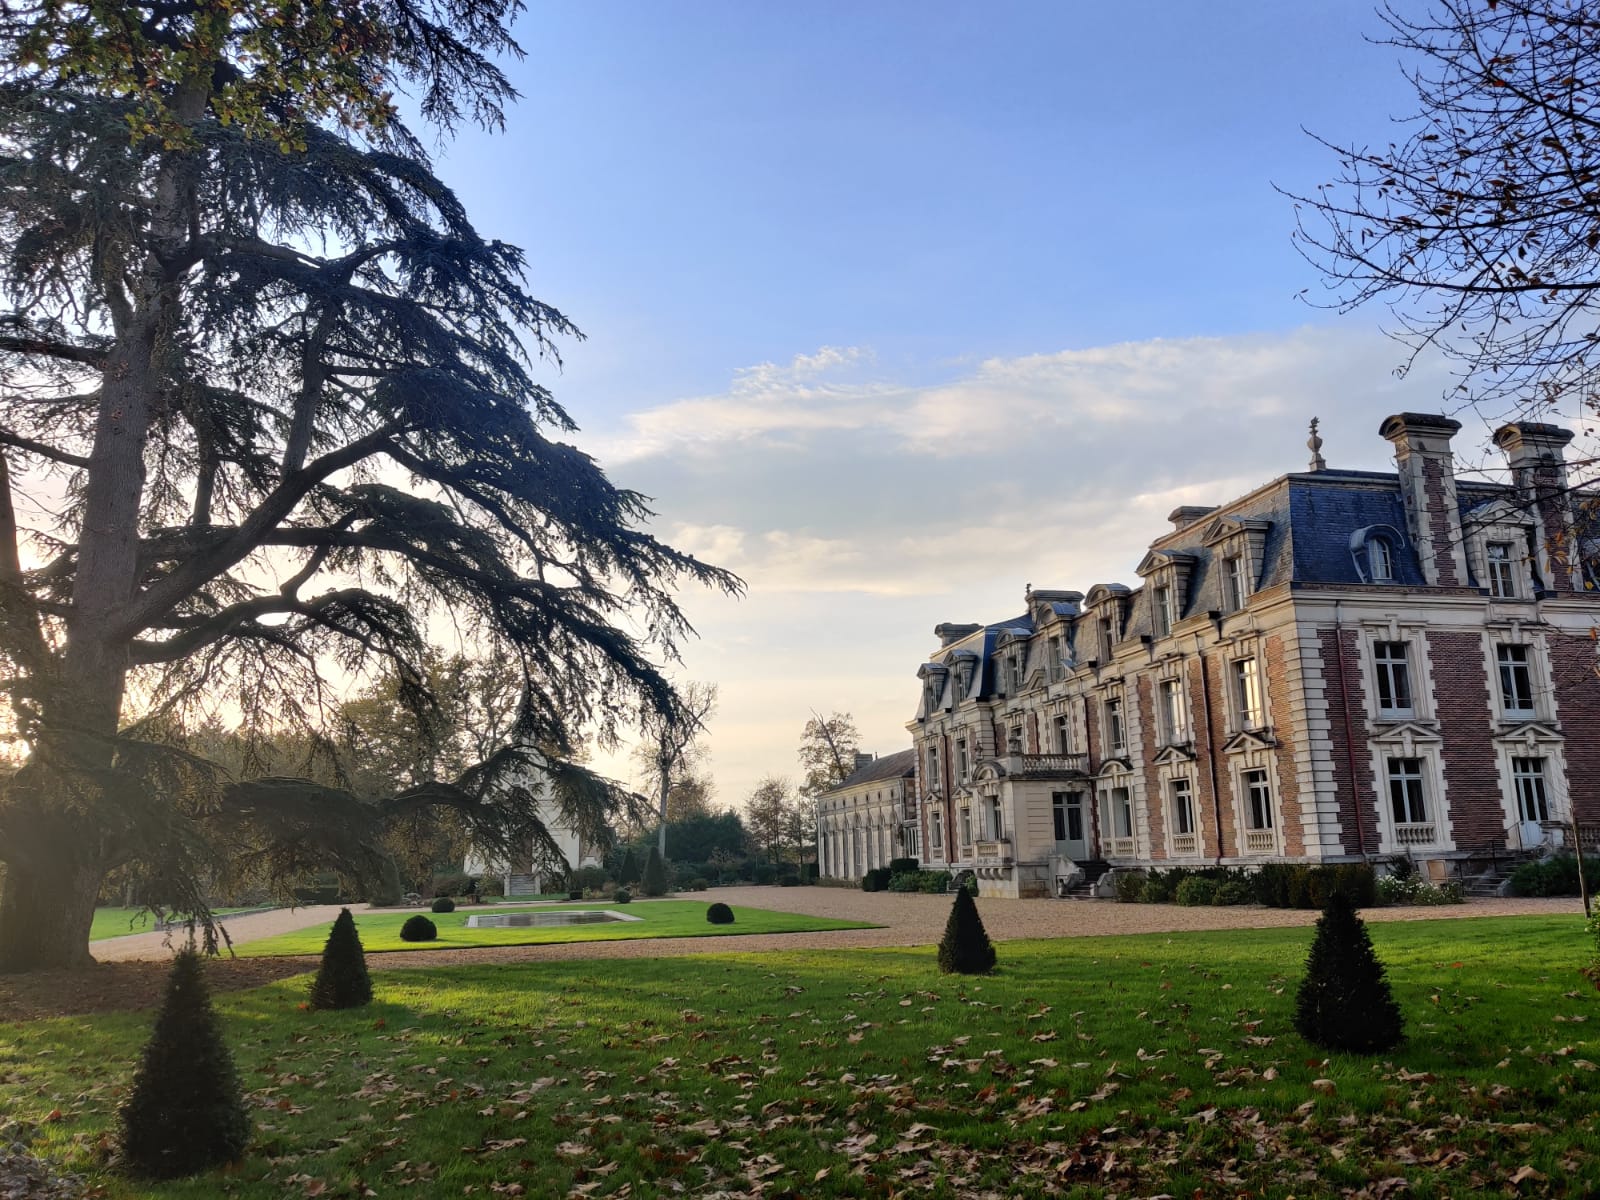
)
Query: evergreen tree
[
  {"x": 342, "y": 980},
  {"x": 256, "y": 337},
  {"x": 185, "y": 1112},
  {"x": 965, "y": 948},
  {"x": 654, "y": 881},
  {"x": 1344, "y": 1001},
  {"x": 628, "y": 868}
]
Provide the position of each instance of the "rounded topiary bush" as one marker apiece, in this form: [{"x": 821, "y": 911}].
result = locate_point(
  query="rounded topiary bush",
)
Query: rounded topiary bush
[
  {"x": 418, "y": 929},
  {"x": 1344, "y": 1001},
  {"x": 623, "y": 896},
  {"x": 185, "y": 1113},
  {"x": 965, "y": 949},
  {"x": 1233, "y": 891},
  {"x": 698, "y": 884},
  {"x": 443, "y": 905},
  {"x": 719, "y": 914},
  {"x": 342, "y": 980},
  {"x": 575, "y": 894},
  {"x": 1196, "y": 890}
]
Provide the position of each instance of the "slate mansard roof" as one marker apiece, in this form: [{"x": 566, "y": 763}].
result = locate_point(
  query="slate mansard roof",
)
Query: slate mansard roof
[{"x": 891, "y": 766}]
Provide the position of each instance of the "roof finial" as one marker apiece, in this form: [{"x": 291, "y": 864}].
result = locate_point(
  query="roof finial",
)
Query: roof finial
[{"x": 1314, "y": 444}]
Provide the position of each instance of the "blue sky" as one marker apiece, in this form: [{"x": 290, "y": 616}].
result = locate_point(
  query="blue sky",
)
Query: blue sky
[{"x": 895, "y": 308}]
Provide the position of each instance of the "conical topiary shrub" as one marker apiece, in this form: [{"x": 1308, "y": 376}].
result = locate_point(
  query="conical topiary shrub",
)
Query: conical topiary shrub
[
  {"x": 654, "y": 882},
  {"x": 1344, "y": 1002},
  {"x": 185, "y": 1113},
  {"x": 965, "y": 949},
  {"x": 342, "y": 980},
  {"x": 628, "y": 869}
]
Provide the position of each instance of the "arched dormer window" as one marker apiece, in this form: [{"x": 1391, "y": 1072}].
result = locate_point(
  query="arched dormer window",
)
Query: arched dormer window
[{"x": 1374, "y": 550}]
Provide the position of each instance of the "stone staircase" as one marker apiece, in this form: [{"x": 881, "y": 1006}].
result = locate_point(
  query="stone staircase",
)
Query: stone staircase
[
  {"x": 1093, "y": 869},
  {"x": 1484, "y": 877}
]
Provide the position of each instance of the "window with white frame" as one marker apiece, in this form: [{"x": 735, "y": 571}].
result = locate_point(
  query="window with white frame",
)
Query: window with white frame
[
  {"x": 1516, "y": 679},
  {"x": 1066, "y": 811},
  {"x": 1105, "y": 638},
  {"x": 1247, "y": 710},
  {"x": 1501, "y": 562},
  {"x": 1407, "y": 799},
  {"x": 963, "y": 767},
  {"x": 1533, "y": 798},
  {"x": 1257, "y": 798},
  {"x": 1234, "y": 583},
  {"x": 1014, "y": 672},
  {"x": 1380, "y": 560},
  {"x": 1119, "y": 812},
  {"x": 1163, "y": 610},
  {"x": 1063, "y": 728},
  {"x": 994, "y": 820},
  {"x": 1174, "y": 712},
  {"x": 1014, "y": 742},
  {"x": 1391, "y": 664},
  {"x": 966, "y": 825},
  {"x": 936, "y": 830},
  {"x": 933, "y": 767},
  {"x": 1180, "y": 800},
  {"x": 1116, "y": 734},
  {"x": 911, "y": 838}
]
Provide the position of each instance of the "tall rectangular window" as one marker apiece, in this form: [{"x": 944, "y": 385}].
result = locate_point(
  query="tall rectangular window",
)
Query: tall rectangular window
[
  {"x": 1116, "y": 736},
  {"x": 1533, "y": 802},
  {"x": 1247, "y": 694},
  {"x": 1406, "y": 799},
  {"x": 966, "y": 825},
  {"x": 1121, "y": 813},
  {"x": 936, "y": 830},
  {"x": 1257, "y": 798},
  {"x": 1063, "y": 727},
  {"x": 1234, "y": 581},
  {"x": 1502, "y": 570},
  {"x": 1174, "y": 713},
  {"x": 1180, "y": 795},
  {"x": 1516, "y": 679},
  {"x": 1066, "y": 811},
  {"x": 1014, "y": 742},
  {"x": 994, "y": 820},
  {"x": 1163, "y": 611},
  {"x": 1392, "y": 664},
  {"x": 963, "y": 767},
  {"x": 1105, "y": 638},
  {"x": 933, "y": 767}
]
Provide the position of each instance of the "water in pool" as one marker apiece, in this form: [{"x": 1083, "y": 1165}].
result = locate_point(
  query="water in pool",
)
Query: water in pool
[{"x": 522, "y": 920}]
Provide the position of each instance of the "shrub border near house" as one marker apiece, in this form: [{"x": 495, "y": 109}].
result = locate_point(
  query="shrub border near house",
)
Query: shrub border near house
[
  {"x": 1557, "y": 876},
  {"x": 1283, "y": 885}
]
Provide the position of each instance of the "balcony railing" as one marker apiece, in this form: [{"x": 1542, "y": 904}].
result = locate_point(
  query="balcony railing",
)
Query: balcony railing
[
  {"x": 1122, "y": 847},
  {"x": 992, "y": 853},
  {"x": 1052, "y": 764},
  {"x": 1416, "y": 833},
  {"x": 1186, "y": 843},
  {"x": 1260, "y": 841}
]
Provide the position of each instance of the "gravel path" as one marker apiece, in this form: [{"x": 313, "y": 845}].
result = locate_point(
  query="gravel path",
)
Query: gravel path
[{"x": 247, "y": 927}]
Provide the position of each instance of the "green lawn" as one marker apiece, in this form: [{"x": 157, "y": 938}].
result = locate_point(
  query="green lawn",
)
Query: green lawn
[
  {"x": 1130, "y": 1066},
  {"x": 119, "y": 922},
  {"x": 657, "y": 918}
]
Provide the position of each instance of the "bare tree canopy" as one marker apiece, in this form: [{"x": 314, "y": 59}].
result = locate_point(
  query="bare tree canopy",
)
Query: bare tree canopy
[
  {"x": 670, "y": 746},
  {"x": 272, "y": 395},
  {"x": 828, "y": 748},
  {"x": 1479, "y": 226}
]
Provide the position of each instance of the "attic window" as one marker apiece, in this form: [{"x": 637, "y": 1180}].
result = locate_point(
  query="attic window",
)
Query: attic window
[
  {"x": 1380, "y": 560},
  {"x": 1163, "y": 610},
  {"x": 1373, "y": 550}
]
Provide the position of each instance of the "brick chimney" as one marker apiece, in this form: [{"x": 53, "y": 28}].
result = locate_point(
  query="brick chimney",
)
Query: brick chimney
[
  {"x": 1536, "y": 455},
  {"x": 1428, "y": 484}
]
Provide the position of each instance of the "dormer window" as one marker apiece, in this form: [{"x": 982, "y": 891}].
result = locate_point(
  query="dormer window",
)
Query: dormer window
[
  {"x": 1163, "y": 611},
  {"x": 1105, "y": 638},
  {"x": 1502, "y": 570},
  {"x": 1380, "y": 561},
  {"x": 1233, "y": 582}
]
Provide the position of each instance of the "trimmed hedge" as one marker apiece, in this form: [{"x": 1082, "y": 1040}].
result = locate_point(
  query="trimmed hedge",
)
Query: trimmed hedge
[
  {"x": 443, "y": 905},
  {"x": 1556, "y": 876},
  {"x": 876, "y": 880},
  {"x": 932, "y": 883}
]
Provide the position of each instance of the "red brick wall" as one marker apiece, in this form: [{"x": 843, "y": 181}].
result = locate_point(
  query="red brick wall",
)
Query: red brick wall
[
  {"x": 1279, "y": 695},
  {"x": 1207, "y": 800},
  {"x": 1572, "y": 670},
  {"x": 1355, "y": 796},
  {"x": 1546, "y": 480},
  {"x": 1154, "y": 800},
  {"x": 1438, "y": 520},
  {"x": 1091, "y": 746},
  {"x": 1471, "y": 774}
]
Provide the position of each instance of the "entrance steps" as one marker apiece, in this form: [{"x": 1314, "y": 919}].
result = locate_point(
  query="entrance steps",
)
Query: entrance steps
[{"x": 1093, "y": 869}]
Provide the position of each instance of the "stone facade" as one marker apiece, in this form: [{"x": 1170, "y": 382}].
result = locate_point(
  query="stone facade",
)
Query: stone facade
[
  {"x": 869, "y": 819},
  {"x": 1340, "y": 666}
]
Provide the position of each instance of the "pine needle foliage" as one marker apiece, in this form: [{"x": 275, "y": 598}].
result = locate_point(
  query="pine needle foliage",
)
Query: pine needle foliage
[
  {"x": 654, "y": 882},
  {"x": 1344, "y": 1001},
  {"x": 185, "y": 1113},
  {"x": 342, "y": 980},
  {"x": 628, "y": 869},
  {"x": 965, "y": 948}
]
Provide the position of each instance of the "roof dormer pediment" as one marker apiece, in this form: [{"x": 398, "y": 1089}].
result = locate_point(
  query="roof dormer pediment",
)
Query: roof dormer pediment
[
  {"x": 1224, "y": 528},
  {"x": 1160, "y": 560}
]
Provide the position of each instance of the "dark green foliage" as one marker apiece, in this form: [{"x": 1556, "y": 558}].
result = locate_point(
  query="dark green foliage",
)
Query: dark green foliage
[
  {"x": 342, "y": 980},
  {"x": 1196, "y": 890},
  {"x": 451, "y": 883},
  {"x": 965, "y": 948},
  {"x": 719, "y": 914},
  {"x": 418, "y": 929},
  {"x": 575, "y": 894},
  {"x": 876, "y": 880},
  {"x": 628, "y": 868},
  {"x": 899, "y": 866},
  {"x": 492, "y": 885},
  {"x": 1129, "y": 885},
  {"x": 623, "y": 896},
  {"x": 443, "y": 905},
  {"x": 789, "y": 881},
  {"x": 1344, "y": 1002},
  {"x": 1556, "y": 876},
  {"x": 930, "y": 882},
  {"x": 654, "y": 880},
  {"x": 185, "y": 1113},
  {"x": 697, "y": 884},
  {"x": 584, "y": 879},
  {"x": 1281, "y": 885},
  {"x": 1234, "y": 891}
]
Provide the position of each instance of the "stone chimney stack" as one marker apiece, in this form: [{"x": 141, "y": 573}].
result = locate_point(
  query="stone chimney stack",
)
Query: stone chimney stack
[
  {"x": 864, "y": 760},
  {"x": 1428, "y": 483},
  {"x": 1536, "y": 455}
]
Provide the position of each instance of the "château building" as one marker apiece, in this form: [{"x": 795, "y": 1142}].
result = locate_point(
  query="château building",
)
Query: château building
[
  {"x": 869, "y": 819},
  {"x": 1339, "y": 666}
]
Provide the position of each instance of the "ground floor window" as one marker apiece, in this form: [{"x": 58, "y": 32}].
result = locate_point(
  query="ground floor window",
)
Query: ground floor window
[
  {"x": 1257, "y": 798},
  {"x": 966, "y": 825},
  {"x": 1533, "y": 802},
  {"x": 1180, "y": 795},
  {"x": 1066, "y": 809},
  {"x": 1406, "y": 797},
  {"x": 1118, "y": 812},
  {"x": 911, "y": 836}
]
